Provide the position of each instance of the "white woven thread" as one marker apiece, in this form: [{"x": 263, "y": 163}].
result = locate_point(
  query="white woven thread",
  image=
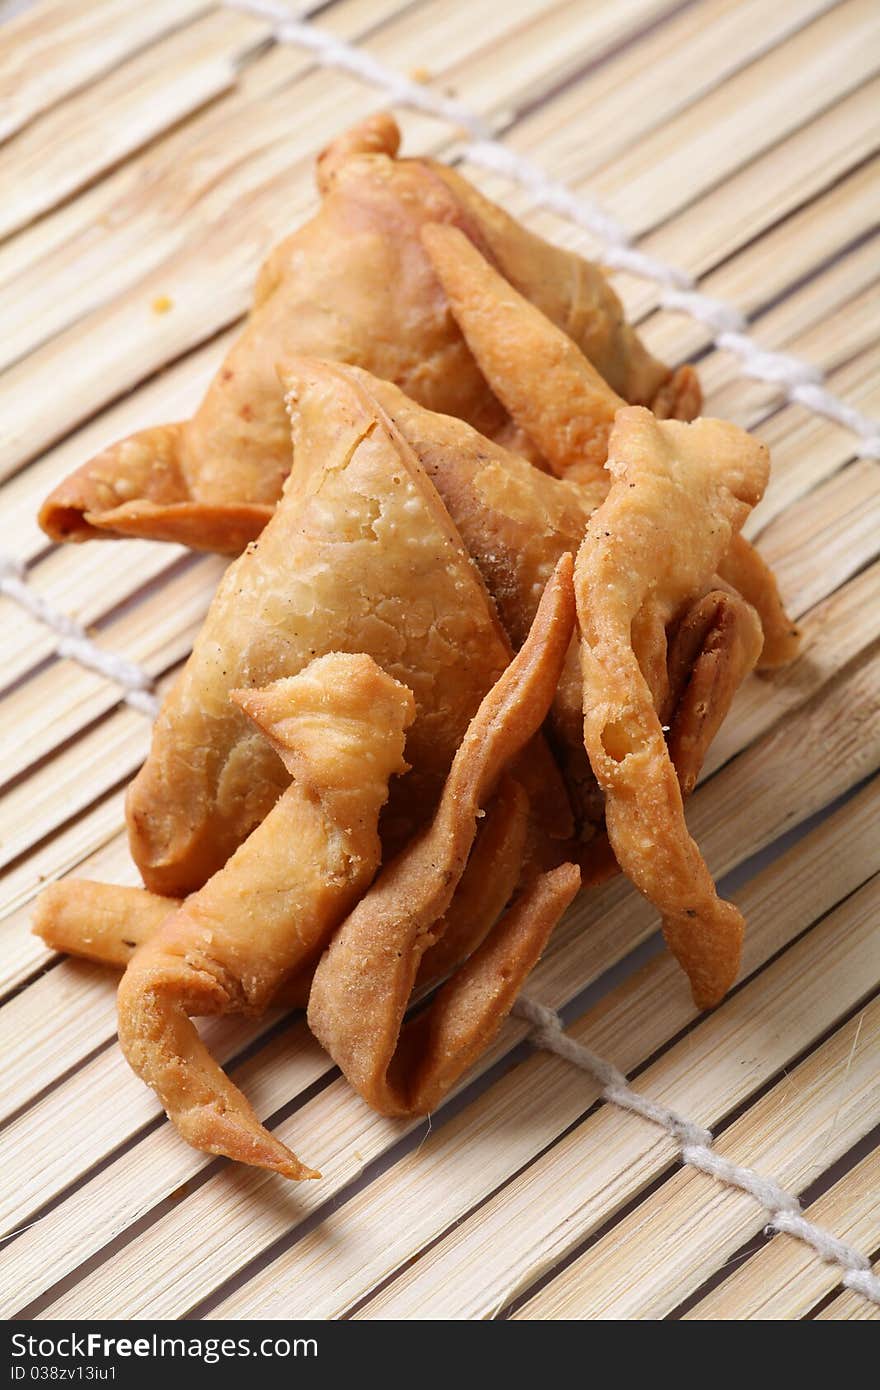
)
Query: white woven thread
[
  {"x": 783, "y": 1208},
  {"x": 75, "y": 643},
  {"x": 798, "y": 381}
]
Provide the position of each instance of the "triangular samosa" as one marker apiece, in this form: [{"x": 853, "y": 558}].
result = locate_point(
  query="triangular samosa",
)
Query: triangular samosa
[
  {"x": 360, "y": 556},
  {"x": 354, "y": 284}
]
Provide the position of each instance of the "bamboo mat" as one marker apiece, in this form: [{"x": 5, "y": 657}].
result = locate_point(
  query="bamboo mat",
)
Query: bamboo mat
[{"x": 153, "y": 153}]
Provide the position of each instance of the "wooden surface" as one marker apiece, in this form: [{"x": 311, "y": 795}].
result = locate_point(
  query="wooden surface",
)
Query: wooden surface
[{"x": 159, "y": 150}]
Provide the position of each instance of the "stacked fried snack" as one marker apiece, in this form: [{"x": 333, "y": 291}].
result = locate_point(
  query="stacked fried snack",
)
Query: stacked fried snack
[{"x": 413, "y": 724}]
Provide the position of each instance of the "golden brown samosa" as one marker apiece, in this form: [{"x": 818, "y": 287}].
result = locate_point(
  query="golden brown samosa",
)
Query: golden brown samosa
[
  {"x": 354, "y": 284},
  {"x": 360, "y": 555}
]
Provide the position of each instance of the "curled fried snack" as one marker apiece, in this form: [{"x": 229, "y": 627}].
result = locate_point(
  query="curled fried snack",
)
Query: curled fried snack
[
  {"x": 679, "y": 493},
  {"x": 712, "y": 650},
  {"x": 106, "y": 923},
  {"x": 563, "y": 405},
  {"x": 352, "y": 285},
  {"x": 339, "y": 727},
  {"x": 103, "y": 922},
  {"x": 572, "y": 409},
  {"x": 364, "y": 980},
  {"x": 486, "y": 885},
  {"x": 360, "y": 555},
  {"x": 751, "y": 576}
]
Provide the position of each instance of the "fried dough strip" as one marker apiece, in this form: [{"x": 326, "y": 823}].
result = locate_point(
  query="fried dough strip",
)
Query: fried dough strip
[
  {"x": 571, "y": 414},
  {"x": 486, "y": 886},
  {"x": 106, "y": 922},
  {"x": 713, "y": 649},
  {"x": 364, "y": 981},
  {"x": 679, "y": 493},
  {"x": 339, "y": 727},
  {"x": 353, "y": 284},
  {"x": 550, "y": 388},
  {"x": 748, "y": 573},
  {"x": 560, "y": 401}
]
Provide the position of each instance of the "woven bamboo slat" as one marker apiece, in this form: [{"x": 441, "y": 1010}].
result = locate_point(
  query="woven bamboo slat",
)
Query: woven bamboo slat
[
  {"x": 159, "y": 151},
  {"x": 849, "y": 1305},
  {"x": 68, "y": 147},
  {"x": 784, "y": 1280},
  {"x": 801, "y": 1124},
  {"x": 49, "y": 52}
]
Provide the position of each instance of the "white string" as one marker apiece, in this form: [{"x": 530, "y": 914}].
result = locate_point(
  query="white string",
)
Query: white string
[
  {"x": 783, "y": 1208},
  {"x": 799, "y": 382},
  {"x": 75, "y": 643}
]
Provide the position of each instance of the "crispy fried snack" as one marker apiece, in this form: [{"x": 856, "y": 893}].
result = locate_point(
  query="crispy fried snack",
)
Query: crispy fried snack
[
  {"x": 563, "y": 405},
  {"x": 106, "y": 923},
  {"x": 339, "y": 728},
  {"x": 546, "y": 383},
  {"x": 360, "y": 555},
  {"x": 744, "y": 569},
  {"x": 353, "y": 285},
  {"x": 515, "y": 522},
  {"x": 711, "y": 651},
  {"x": 679, "y": 494},
  {"x": 364, "y": 981}
]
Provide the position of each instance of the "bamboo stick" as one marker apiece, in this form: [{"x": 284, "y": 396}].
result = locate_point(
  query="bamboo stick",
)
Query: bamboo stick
[
  {"x": 812, "y": 1116},
  {"x": 58, "y": 47},
  {"x": 720, "y": 39},
  {"x": 784, "y": 1279},
  {"x": 816, "y": 67},
  {"x": 850, "y": 1306},
  {"x": 833, "y": 634},
  {"x": 72, "y": 144},
  {"x": 278, "y": 68}
]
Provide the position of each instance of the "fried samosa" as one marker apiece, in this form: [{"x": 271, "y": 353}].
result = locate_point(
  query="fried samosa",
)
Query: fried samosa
[
  {"x": 360, "y": 555},
  {"x": 353, "y": 284},
  {"x": 339, "y": 728},
  {"x": 679, "y": 493},
  {"x": 364, "y": 981}
]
